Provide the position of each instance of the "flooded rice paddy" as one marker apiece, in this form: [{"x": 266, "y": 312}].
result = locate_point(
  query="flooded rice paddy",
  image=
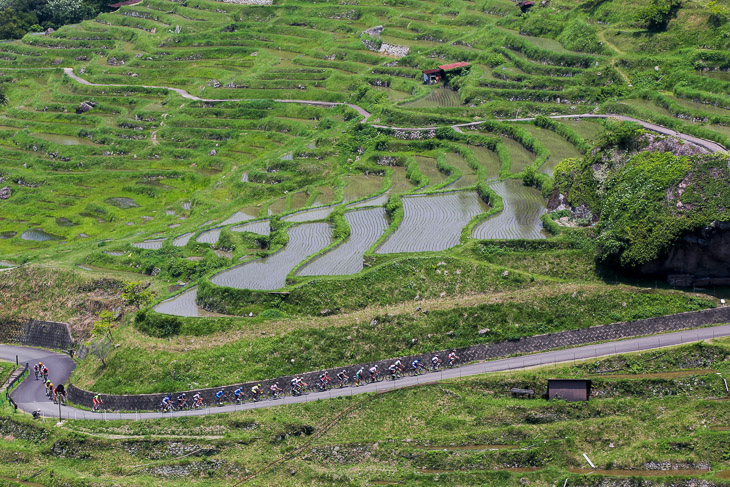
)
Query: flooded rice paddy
[
  {"x": 428, "y": 168},
  {"x": 520, "y": 218},
  {"x": 262, "y": 227},
  {"x": 209, "y": 236},
  {"x": 152, "y": 244},
  {"x": 182, "y": 240},
  {"x": 184, "y": 305},
  {"x": 241, "y": 216},
  {"x": 39, "y": 235},
  {"x": 433, "y": 222},
  {"x": 468, "y": 176},
  {"x": 270, "y": 272},
  {"x": 63, "y": 139},
  {"x": 309, "y": 215},
  {"x": 366, "y": 228},
  {"x": 359, "y": 186},
  {"x": 488, "y": 159},
  {"x": 121, "y": 202},
  {"x": 559, "y": 147}
]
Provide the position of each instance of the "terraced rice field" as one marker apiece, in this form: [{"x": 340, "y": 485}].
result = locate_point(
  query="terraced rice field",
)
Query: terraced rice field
[
  {"x": 184, "y": 304},
  {"x": 468, "y": 176},
  {"x": 152, "y": 244},
  {"x": 359, "y": 186},
  {"x": 209, "y": 236},
  {"x": 520, "y": 218},
  {"x": 590, "y": 131},
  {"x": 521, "y": 157},
  {"x": 438, "y": 97},
  {"x": 366, "y": 227},
  {"x": 241, "y": 216},
  {"x": 428, "y": 168},
  {"x": 433, "y": 222},
  {"x": 309, "y": 215},
  {"x": 270, "y": 272},
  {"x": 182, "y": 240},
  {"x": 262, "y": 227},
  {"x": 559, "y": 147},
  {"x": 488, "y": 159}
]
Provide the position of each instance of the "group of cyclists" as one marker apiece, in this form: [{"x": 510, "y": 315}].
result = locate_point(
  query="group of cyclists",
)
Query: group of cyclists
[
  {"x": 56, "y": 393},
  {"x": 298, "y": 386}
]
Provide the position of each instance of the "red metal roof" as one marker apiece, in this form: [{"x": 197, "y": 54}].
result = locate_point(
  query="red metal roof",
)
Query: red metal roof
[
  {"x": 446, "y": 67},
  {"x": 432, "y": 71},
  {"x": 122, "y": 4}
]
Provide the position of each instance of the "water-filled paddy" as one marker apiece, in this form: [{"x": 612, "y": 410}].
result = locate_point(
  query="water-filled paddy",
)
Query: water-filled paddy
[
  {"x": 428, "y": 168},
  {"x": 121, "y": 202},
  {"x": 359, "y": 186},
  {"x": 38, "y": 235},
  {"x": 183, "y": 305},
  {"x": 559, "y": 147},
  {"x": 433, "y": 222},
  {"x": 468, "y": 176},
  {"x": 521, "y": 157},
  {"x": 270, "y": 272},
  {"x": 152, "y": 244},
  {"x": 63, "y": 139},
  {"x": 366, "y": 228},
  {"x": 309, "y": 215},
  {"x": 241, "y": 216},
  {"x": 520, "y": 218},
  {"x": 65, "y": 222},
  {"x": 7, "y": 235},
  {"x": 488, "y": 159},
  {"x": 182, "y": 240},
  {"x": 262, "y": 227},
  {"x": 209, "y": 236}
]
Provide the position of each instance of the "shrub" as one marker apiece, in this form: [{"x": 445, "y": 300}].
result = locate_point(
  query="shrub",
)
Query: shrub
[
  {"x": 580, "y": 36},
  {"x": 157, "y": 325},
  {"x": 656, "y": 15}
]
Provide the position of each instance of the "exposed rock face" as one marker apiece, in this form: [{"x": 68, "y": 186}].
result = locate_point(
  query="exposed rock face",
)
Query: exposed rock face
[
  {"x": 703, "y": 253},
  {"x": 5, "y": 193},
  {"x": 85, "y": 106}
]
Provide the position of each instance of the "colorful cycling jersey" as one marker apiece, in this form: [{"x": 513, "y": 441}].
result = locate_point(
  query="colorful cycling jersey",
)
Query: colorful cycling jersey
[
  {"x": 416, "y": 363},
  {"x": 435, "y": 359},
  {"x": 238, "y": 392},
  {"x": 359, "y": 372},
  {"x": 373, "y": 370},
  {"x": 219, "y": 394}
]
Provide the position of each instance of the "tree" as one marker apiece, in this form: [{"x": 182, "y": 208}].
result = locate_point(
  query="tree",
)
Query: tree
[
  {"x": 14, "y": 24},
  {"x": 65, "y": 11},
  {"x": 101, "y": 346},
  {"x": 656, "y": 16},
  {"x": 137, "y": 294},
  {"x": 718, "y": 13},
  {"x": 103, "y": 326}
]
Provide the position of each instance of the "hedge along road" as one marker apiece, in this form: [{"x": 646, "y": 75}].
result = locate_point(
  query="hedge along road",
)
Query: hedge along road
[
  {"x": 30, "y": 395},
  {"x": 707, "y": 144}
]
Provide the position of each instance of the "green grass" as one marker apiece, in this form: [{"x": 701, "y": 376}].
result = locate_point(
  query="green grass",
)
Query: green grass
[{"x": 405, "y": 435}]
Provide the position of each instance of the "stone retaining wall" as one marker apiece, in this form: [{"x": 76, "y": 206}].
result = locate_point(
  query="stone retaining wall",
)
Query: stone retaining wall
[
  {"x": 539, "y": 343},
  {"x": 36, "y": 333}
]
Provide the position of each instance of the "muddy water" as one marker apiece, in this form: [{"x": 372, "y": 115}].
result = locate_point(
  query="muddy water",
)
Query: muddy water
[
  {"x": 433, "y": 222},
  {"x": 366, "y": 228},
  {"x": 270, "y": 272},
  {"x": 262, "y": 227},
  {"x": 520, "y": 218}
]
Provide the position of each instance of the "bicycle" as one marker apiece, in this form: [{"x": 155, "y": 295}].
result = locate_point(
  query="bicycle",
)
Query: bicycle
[
  {"x": 60, "y": 398},
  {"x": 377, "y": 377},
  {"x": 420, "y": 369},
  {"x": 343, "y": 381},
  {"x": 166, "y": 408},
  {"x": 199, "y": 405},
  {"x": 97, "y": 408},
  {"x": 394, "y": 376}
]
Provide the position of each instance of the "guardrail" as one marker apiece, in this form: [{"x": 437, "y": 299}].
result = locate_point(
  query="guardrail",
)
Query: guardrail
[{"x": 12, "y": 383}]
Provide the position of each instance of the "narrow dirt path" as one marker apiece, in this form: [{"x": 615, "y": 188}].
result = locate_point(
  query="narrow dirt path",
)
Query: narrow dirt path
[
  {"x": 709, "y": 145},
  {"x": 602, "y": 37}
]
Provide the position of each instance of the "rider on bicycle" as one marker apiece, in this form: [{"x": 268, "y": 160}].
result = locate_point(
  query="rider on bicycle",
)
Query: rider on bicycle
[
  {"x": 44, "y": 371},
  {"x": 275, "y": 390},
  {"x": 359, "y": 375},
  {"x": 238, "y": 394},
  {"x": 197, "y": 400},
  {"x": 220, "y": 395},
  {"x": 166, "y": 403},
  {"x": 399, "y": 365},
  {"x": 36, "y": 370},
  {"x": 453, "y": 358},
  {"x": 49, "y": 389},
  {"x": 435, "y": 362},
  {"x": 342, "y": 377},
  {"x": 393, "y": 371},
  {"x": 373, "y": 372},
  {"x": 324, "y": 380},
  {"x": 256, "y": 391},
  {"x": 416, "y": 364},
  {"x": 182, "y": 401},
  {"x": 60, "y": 393},
  {"x": 97, "y": 402}
]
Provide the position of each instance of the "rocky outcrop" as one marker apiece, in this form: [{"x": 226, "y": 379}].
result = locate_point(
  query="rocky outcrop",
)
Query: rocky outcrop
[
  {"x": 701, "y": 254},
  {"x": 5, "y": 193},
  {"x": 85, "y": 106}
]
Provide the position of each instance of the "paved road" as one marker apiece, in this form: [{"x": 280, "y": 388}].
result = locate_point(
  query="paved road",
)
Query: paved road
[
  {"x": 707, "y": 144},
  {"x": 30, "y": 395}
]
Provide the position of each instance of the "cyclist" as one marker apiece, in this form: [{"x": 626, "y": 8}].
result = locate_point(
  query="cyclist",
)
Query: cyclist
[
  {"x": 49, "y": 388},
  {"x": 44, "y": 371},
  {"x": 453, "y": 358},
  {"x": 435, "y": 362},
  {"x": 416, "y": 364},
  {"x": 60, "y": 393},
  {"x": 220, "y": 396},
  {"x": 373, "y": 372},
  {"x": 393, "y": 371},
  {"x": 36, "y": 371},
  {"x": 97, "y": 402},
  {"x": 256, "y": 391},
  {"x": 294, "y": 384},
  {"x": 166, "y": 403},
  {"x": 399, "y": 365},
  {"x": 342, "y": 377},
  {"x": 275, "y": 390},
  {"x": 238, "y": 394},
  {"x": 324, "y": 381},
  {"x": 182, "y": 401},
  {"x": 40, "y": 369},
  {"x": 358, "y": 375},
  {"x": 197, "y": 400}
]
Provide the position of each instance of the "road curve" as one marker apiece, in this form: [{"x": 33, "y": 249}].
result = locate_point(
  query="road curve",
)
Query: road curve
[
  {"x": 707, "y": 144},
  {"x": 30, "y": 396}
]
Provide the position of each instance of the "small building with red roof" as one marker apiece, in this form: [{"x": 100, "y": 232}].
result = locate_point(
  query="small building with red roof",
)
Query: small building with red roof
[{"x": 436, "y": 75}]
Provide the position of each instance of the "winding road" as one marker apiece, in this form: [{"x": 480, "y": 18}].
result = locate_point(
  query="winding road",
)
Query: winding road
[
  {"x": 30, "y": 395},
  {"x": 707, "y": 144}
]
